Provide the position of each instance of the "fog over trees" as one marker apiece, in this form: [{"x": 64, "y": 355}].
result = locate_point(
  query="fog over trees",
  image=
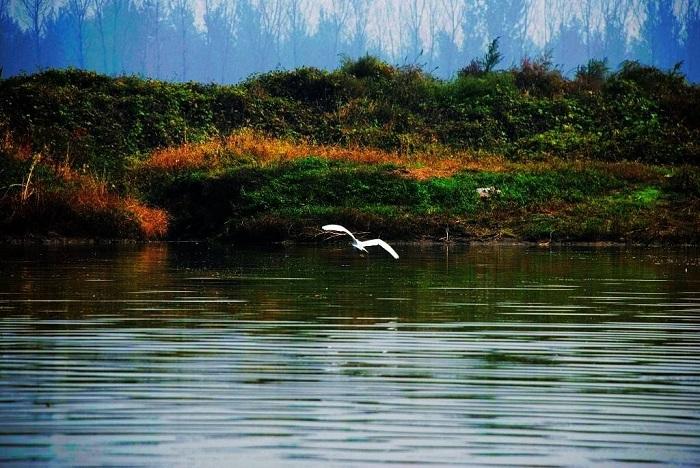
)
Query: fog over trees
[{"x": 227, "y": 40}]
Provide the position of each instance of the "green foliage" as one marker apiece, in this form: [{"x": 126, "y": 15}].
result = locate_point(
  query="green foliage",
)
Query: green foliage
[
  {"x": 647, "y": 196},
  {"x": 493, "y": 56},
  {"x": 651, "y": 79},
  {"x": 367, "y": 66},
  {"x": 497, "y": 85},
  {"x": 93, "y": 121},
  {"x": 98, "y": 123},
  {"x": 310, "y": 86},
  {"x": 593, "y": 75}
]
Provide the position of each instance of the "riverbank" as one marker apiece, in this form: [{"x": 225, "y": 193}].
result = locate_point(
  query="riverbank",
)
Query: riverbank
[
  {"x": 249, "y": 187},
  {"x": 481, "y": 158}
]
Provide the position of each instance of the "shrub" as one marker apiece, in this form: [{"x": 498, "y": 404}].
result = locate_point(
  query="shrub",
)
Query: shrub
[
  {"x": 651, "y": 79},
  {"x": 486, "y": 64},
  {"x": 314, "y": 87},
  {"x": 367, "y": 66},
  {"x": 593, "y": 75},
  {"x": 538, "y": 77},
  {"x": 685, "y": 180}
]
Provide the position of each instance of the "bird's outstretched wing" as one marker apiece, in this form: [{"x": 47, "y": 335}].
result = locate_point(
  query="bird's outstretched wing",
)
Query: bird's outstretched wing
[
  {"x": 381, "y": 243},
  {"x": 337, "y": 228}
]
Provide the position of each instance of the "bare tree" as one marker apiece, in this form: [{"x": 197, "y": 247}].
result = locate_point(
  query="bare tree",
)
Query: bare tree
[
  {"x": 339, "y": 16},
  {"x": 692, "y": 38},
  {"x": 182, "y": 16},
  {"x": 272, "y": 27},
  {"x": 558, "y": 16},
  {"x": 660, "y": 32},
  {"x": 78, "y": 11},
  {"x": 588, "y": 10},
  {"x": 295, "y": 16},
  {"x": 4, "y": 18},
  {"x": 4, "y": 8},
  {"x": 451, "y": 15},
  {"x": 615, "y": 14},
  {"x": 414, "y": 26},
  {"x": 36, "y": 13},
  {"x": 99, "y": 6},
  {"x": 507, "y": 19},
  {"x": 434, "y": 23},
  {"x": 219, "y": 19},
  {"x": 453, "y": 11},
  {"x": 386, "y": 13},
  {"x": 117, "y": 11},
  {"x": 144, "y": 24},
  {"x": 548, "y": 18},
  {"x": 475, "y": 28},
  {"x": 156, "y": 14},
  {"x": 360, "y": 9}
]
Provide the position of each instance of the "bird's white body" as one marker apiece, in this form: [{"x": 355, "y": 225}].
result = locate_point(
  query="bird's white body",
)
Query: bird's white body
[{"x": 358, "y": 244}]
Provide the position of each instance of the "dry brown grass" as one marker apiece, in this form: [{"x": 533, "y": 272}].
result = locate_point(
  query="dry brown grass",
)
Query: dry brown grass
[
  {"x": 254, "y": 147},
  {"x": 625, "y": 170},
  {"x": 630, "y": 170},
  {"x": 152, "y": 222},
  {"x": 92, "y": 198},
  {"x": 84, "y": 194}
]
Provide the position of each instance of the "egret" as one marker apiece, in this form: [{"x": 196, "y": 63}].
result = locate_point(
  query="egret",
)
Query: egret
[{"x": 358, "y": 244}]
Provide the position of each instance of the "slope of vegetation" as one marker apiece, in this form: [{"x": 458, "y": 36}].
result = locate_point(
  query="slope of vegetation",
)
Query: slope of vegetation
[{"x": 606, "y": 156}]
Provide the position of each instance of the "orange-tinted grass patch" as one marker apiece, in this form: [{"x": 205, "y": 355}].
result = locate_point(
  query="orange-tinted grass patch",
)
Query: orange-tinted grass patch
[
  {"x": 187, "y": 156},
  {"x": 89, "y": 195},
  {"x": 255, "y": 147},
  {"x": 153, "y": 222}
]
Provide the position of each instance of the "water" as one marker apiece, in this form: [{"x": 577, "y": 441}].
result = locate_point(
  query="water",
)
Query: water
[{"x": 189, "y": 355}]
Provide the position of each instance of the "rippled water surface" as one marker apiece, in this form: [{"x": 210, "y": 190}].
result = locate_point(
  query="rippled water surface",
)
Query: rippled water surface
[{"x": 195, "y": 355}]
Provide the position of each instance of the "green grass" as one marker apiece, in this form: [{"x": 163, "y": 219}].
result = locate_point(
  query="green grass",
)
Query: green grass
[{"x": 287, "y": 199}]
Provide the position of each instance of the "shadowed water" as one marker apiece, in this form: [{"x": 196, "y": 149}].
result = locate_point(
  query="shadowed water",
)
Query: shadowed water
[{"x": 193, "y": 355}]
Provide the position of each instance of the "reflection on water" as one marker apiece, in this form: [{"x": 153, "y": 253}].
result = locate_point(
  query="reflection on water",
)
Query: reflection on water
[{"x": 187, "y": 354}]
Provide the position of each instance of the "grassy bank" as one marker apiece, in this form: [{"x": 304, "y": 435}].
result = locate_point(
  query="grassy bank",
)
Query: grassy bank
[
  {"x": 603, "y": 157},
  {"x": 256, "y": 187}
]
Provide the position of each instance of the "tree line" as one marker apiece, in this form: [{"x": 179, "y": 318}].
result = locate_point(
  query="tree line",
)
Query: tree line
[{"x": 225, "y": 41}]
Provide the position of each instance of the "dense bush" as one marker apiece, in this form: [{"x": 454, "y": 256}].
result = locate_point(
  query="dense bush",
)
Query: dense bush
[
  {"x": 313, "y": 87},
  {"x": 538, "y": 78},
  {"x": 366, "y": 67},
  {"x": 98, "y": 123}
]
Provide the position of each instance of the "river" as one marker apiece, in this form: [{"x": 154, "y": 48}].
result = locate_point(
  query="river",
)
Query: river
[{"x": 201, "y": 355}]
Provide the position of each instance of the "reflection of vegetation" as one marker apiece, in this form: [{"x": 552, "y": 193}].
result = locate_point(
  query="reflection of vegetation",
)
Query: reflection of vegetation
[
  {"x": 496, "y": 358},
  {"x": 376, "y": 146},
  {"x": 499, "y": 282}
]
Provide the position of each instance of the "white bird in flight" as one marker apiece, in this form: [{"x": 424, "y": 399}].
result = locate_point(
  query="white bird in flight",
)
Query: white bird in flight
[{"x": 358, "y": 244}]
